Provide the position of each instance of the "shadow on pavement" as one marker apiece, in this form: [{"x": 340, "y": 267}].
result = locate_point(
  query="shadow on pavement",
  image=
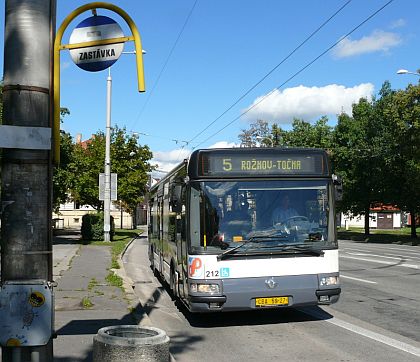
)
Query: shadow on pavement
[{"x": 67, "y": 236}]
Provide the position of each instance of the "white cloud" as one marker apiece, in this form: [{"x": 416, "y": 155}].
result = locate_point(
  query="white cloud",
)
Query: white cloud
[
  {"x": 378, "y": 41},
  {"x": 308, "y": 102},
  {"x": 399, "y": 23},
  {"x": 224, "y": 144},
  {"x": 166, "y": 161}
]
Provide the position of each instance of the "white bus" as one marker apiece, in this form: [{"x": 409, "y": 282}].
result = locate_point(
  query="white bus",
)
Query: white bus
[{"x": 247, "y": 228}]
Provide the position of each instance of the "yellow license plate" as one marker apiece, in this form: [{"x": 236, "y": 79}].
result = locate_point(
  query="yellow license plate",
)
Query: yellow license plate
[{"x": 271, "y": 301}]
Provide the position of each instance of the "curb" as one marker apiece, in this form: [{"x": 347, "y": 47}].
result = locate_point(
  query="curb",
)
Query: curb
[{"x": 140, "y": 316}]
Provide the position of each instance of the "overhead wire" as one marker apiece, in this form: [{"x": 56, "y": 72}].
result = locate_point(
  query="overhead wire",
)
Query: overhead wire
[
  {"x": 166, "y": 62},
  {"x": 297, "y": 73},
  {"x": 272, "y": 70},
  {"x": 177, "y": 141}
]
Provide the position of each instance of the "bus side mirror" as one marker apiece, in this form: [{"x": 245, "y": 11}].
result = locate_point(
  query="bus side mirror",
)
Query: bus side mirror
[{"x": 338, "y": 187}]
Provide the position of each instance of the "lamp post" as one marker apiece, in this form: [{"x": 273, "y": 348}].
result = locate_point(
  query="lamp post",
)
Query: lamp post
[
  {"x": 107, "y": 183},
  {"x": 405, "y": 71}
]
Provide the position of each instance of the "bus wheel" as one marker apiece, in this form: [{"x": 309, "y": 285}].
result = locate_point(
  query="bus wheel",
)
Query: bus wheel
[
  {"x": 152, "y": 261},
  {"x": 173, "y": 284}
]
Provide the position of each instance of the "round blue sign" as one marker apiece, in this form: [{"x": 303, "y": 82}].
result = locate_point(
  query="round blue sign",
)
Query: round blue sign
[{"x": 96, "y": 58}]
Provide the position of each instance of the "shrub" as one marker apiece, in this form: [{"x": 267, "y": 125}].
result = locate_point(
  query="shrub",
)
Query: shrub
[{"x": 93, "y": 227}]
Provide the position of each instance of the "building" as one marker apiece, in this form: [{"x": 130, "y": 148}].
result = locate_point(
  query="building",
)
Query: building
[
  {"x": 381, "y": 217},
  {"x": 70, "y": 216}
]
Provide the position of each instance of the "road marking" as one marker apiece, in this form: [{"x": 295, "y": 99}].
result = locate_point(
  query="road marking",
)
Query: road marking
[
  {"x": 402, "y": 346},
  {"x": 358, "y": 279},
  {"x": 373, "y": 255},
  {"x": 396, "y": 253},
  {"x": 405, "y": 265}
]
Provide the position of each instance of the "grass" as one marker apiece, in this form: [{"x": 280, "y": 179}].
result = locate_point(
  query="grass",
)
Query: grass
[
  {"x": 396, "y": 236},
  {"x": 114, "y": 280},
  {"x": 92, "y": 284},
  {"x": 86, "y": 303},
  {"x": 121, "y": 238}
]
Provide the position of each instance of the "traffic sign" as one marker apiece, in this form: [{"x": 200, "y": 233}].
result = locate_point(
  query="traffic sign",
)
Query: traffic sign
[
  {"x": 114, "y": 186},
  {"x": 100, "y": 57}
]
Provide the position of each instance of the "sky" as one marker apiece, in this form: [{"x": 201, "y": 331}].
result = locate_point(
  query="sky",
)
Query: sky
[{"x": 212, "y": 67}]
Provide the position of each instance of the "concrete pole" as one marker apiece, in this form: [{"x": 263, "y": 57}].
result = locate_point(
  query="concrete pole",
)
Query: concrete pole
[
  {"x": 107, "y": 199},
  {"x": 26, "y": 174}
]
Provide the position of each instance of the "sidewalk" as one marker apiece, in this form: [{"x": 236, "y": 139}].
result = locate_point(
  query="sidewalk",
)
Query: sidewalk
[{"x": 85, "y": 302}]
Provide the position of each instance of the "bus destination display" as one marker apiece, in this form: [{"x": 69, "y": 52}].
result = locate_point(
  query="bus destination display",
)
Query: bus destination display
[{"x": 263, "y": 165}]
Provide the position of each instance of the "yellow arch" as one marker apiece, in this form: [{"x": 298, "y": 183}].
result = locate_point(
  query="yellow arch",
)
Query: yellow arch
[{"x": 58, "y": 46}]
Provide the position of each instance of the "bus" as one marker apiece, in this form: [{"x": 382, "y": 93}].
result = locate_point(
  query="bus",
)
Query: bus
[{"x": 247, "y": 228}]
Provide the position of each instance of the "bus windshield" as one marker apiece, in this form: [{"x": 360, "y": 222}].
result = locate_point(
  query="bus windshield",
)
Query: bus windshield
[{"x": 265, "y": 214}]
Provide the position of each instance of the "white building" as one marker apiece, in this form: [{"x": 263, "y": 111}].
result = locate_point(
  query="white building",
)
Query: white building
[
  {"x": 70, "y": 216},
  {"x": 383, "y": 217}
]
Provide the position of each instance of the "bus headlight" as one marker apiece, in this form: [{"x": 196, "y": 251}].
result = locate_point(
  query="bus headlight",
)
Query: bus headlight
[
  {"x": 326, "y": 281},
  {"x": 205, "y": 288}
]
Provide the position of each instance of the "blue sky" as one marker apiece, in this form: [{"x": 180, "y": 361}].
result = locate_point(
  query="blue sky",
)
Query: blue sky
[{"x": 202, "y": 56}]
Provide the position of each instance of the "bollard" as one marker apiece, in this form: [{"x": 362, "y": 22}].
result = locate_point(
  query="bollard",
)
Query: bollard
[{"x": 130, "y": 343}]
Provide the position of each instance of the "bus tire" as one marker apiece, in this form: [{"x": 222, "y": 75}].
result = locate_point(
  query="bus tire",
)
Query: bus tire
[
  {"x": 173, "y": 284},
  {"x": 152, "y": 260}
]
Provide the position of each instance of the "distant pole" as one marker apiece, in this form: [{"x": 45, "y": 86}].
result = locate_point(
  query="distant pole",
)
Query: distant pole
[
  {"x": 26, "y": 174},
  {"x": 107, "y": 199}
]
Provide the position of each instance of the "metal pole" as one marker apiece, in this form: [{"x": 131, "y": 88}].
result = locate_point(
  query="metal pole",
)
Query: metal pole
[
  {"x": 26, "y": 174},
  {"x": 107, "y": 200}
]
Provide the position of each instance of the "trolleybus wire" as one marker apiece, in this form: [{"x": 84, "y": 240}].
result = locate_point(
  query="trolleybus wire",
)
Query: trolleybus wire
[
  {"x": 297, "y": 73},
  {"x": 272, "y": 70}
]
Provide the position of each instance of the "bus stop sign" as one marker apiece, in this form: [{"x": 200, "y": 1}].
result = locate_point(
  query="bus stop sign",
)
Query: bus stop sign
[{"x": 96, "y": 58}]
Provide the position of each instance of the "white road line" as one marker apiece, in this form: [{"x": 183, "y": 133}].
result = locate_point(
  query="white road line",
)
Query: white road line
[
  {"x": 402, "y": 346},
  {"x": 376, "y": 336},
  {"x": 358, "y": 279},
  {"x": 373, "y": 255},
  {"x": 405, "y": 265},
  {"x": 414, "y": 255}
]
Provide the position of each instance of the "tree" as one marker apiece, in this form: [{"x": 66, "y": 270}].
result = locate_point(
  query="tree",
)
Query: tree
[
  {"x": 133, "y": 168},
  {"x": 63, "y": 177},
  {"x": 258, "y": 132},
  {"x": 403, "y": 113},
  {"x": 303, "y": 134},
  {"x": 129, "y": 160},
  {"x": 362, "y": 154}
]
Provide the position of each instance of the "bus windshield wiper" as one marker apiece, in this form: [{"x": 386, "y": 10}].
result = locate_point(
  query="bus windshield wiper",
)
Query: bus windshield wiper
[
  {"x": 301, "y": 248},
  {"x": 255, "y": 239}
]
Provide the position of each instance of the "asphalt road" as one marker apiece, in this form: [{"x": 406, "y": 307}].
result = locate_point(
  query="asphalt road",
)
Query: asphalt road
[{"x": 376, "y": 319}]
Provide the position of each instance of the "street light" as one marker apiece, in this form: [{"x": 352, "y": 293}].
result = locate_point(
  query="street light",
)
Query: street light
[
  {"x": 405, "y": 71},
  {"x": 107, "y": 173}
]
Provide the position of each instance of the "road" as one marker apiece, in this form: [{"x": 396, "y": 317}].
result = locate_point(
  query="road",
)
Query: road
[{"x": 376, "y": 319}]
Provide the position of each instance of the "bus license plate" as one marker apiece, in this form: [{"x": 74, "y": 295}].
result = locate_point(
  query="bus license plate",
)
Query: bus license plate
[{"x": 271, "y": 301}]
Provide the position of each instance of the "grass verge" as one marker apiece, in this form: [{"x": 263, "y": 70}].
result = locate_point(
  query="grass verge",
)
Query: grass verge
[{"x": 397, "y": 236}]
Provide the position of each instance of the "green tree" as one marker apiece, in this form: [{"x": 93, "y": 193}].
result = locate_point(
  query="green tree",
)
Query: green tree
[
  {"x": 129, "y": 160},
  {"x": 133, "y": 168},
  {"x": 62, "y": 176},
  {"x": 258, "y": 132},
  {"x": 403, "y": 167},
  {"x": 358, "y": 156},
  {"x": 303, "y": 134}
]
